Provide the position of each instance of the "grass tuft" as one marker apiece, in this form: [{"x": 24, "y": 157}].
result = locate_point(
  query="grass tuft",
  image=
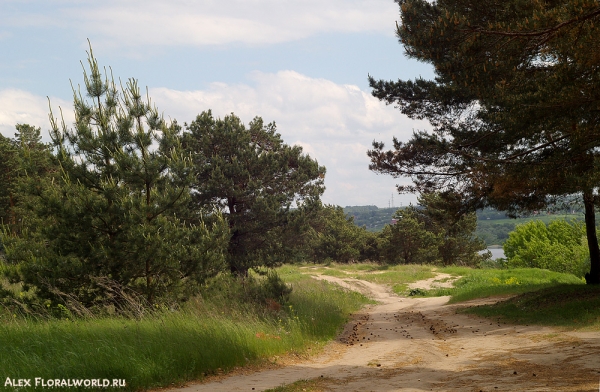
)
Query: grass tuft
[{"x": 313, "y": 385}]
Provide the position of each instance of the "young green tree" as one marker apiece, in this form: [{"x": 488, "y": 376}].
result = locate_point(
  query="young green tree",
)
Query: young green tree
[
  {"x": 255, "y": 179},
  {"x": 408, "y": 241},
  {"x": 514, "y": 105},
  {"x": 443, "y": 215},
  {"x": 110, "y": 222},
  {"x": 335, "y": 236}
]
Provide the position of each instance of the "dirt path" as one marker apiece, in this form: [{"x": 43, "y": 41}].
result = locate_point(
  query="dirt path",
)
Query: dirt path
[{"x": 421, "y": 344}]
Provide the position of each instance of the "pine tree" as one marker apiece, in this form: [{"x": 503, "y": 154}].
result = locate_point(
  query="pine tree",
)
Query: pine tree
[
  {"x": 442, "y": 214},
  {"x": 261, "y": 185},
  {"x": 25, "y": 164},
  {"x": 8, "y": 174},
  {"x": 335, "y": 236},
  {"x": 514, "y": 105},
  {"x": 408, "y": 241},
  {"x": 113, "y": 220}
]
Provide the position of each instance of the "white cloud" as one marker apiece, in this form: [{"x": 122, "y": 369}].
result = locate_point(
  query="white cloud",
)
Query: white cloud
[
  {"x": 22, "y": 107},
  {"x": 334, "y": 123},
  {"x": 187, "y": 22}
]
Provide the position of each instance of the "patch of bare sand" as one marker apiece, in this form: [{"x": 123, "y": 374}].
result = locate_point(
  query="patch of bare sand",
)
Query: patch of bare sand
[
  {"x": 440, "y": 280},
  {"x": 422, "y": 344}
]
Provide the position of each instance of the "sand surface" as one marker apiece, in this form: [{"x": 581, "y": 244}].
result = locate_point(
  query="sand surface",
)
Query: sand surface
[{"x": 422, "y": 344}]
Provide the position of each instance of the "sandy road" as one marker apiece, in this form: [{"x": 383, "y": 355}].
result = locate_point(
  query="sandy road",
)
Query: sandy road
[{"x": 421, "y": 344}]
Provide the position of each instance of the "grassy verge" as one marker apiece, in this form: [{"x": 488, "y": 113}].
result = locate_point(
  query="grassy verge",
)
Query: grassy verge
[
  {"x": 569, "y": 306},
  {"x": 482, "y": 283},
  {"x": 173, "y": 347},
  {"x": 538, "y": 296}
]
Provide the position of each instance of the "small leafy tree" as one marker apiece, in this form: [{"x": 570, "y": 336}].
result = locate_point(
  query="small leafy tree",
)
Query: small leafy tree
[
  {"x": 560, "y": 246},
  {"x": 114, "y": 220},
  {"x": 255, "y": 179},
  {"x": 408, "y": 241},
  {"x": 335, "y": 236},
  {"x": 435, "y": 231},
  {"x": 443, "y": 215}
]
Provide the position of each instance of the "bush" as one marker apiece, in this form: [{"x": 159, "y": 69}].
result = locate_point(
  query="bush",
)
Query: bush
[
  {"x": 258, "y": 292},
  {"x": 560, "y": 246},
  {"x": 334, "y": 236}
]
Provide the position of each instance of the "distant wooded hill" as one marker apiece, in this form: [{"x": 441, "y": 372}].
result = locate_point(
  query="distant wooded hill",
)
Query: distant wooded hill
[
  {"x": 492, "y": 226},
  {"x": 371, "y": 217}
]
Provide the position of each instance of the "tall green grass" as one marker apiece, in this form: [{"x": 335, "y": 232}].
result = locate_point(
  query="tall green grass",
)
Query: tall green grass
[
  {"x": 168, "y": 347},
  {"x": 527, "y": 296}
]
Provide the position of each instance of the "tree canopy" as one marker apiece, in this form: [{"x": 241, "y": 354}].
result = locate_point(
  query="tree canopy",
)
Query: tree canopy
[
  {"x": 514, "y": 106},
  {"x": 111, "y": 221},
  {"x": 259, "y": 183}
]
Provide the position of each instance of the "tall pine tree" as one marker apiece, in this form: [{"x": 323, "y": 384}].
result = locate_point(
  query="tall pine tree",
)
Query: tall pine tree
[
  {"x": 255, "y": 179},
  {"x": 114, "y": 220},
  {"x": 514, "y": 105}
]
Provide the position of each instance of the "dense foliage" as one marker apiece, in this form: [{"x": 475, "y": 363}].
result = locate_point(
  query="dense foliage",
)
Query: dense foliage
[
  {"x": 125, "y": 207},
  {"x": 514, "y": 104},
  {"x": 25, "y": 163},
  {"x": 435, "y": 232},
  {"x": 254, "y": 179},
  {"x": 335, "y": 237},
  {"x": 559, "y": 246}
]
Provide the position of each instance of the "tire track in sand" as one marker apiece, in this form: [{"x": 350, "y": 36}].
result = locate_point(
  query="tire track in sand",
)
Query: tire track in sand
[{"x": 422, "y": 344}]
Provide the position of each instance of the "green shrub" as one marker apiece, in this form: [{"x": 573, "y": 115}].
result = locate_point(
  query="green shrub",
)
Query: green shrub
[{"x": 560, "y": 246}]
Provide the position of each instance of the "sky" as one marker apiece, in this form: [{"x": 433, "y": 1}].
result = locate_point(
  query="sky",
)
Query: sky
[{"x": 302, "y": 64}]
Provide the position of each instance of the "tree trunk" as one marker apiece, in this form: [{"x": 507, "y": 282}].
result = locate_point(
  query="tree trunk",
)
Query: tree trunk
[{"x": 593, "y": 277}]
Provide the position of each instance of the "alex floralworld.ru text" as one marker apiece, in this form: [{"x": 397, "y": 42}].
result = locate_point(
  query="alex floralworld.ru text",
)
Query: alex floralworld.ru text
[{"x": 58, "y": 382}]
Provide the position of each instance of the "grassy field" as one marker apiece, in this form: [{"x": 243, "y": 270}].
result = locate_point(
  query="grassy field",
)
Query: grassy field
[
  {"x": 169, "y": 348},
  {"x": 482, "y": 283},
  {"x": 568, "y": 306},
  {"x": 536, "y": 296}
]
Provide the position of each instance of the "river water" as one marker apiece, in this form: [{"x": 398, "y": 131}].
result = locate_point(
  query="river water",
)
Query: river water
[{"x": 497, "y": 253}]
